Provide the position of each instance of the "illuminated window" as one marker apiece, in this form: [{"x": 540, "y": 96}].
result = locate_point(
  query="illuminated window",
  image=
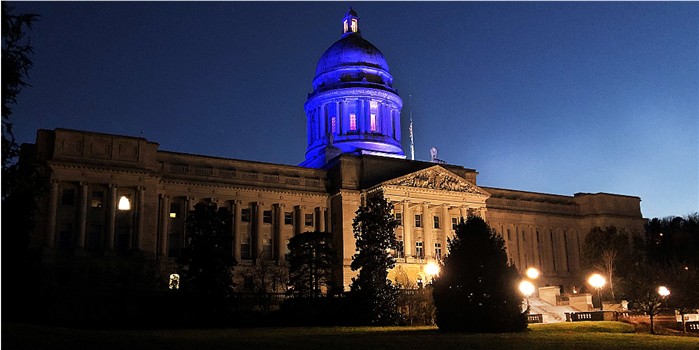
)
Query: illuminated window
[
  {"x": 344, "y": 29},
  {"x": 174, "y": 281},
  {"x": 418, "y": 220},
  {"x": 436, "y": 222},
  {"x": 438, "y": 251},
  {"x": 353, "y": 122},
  {"x": 354, "y": 25},
  {"x": 373, "y": 112},
  {"x": 97, "y": 199},
  {"x": 333, "y": 125},
  {"x": 399, "y": 218},
  {"x": 174, "y": 209},
  {"x": 124, "y": 203},
  {"x": 419, "y": 250}
]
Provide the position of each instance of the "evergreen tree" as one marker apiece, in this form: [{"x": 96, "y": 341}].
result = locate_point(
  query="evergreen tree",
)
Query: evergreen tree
[
  {"x": 310, "y": 263},
  {"x": 476, "y": 290},
  {"x": 206, "y": 263},
  {"x": 374, "y": 294}
]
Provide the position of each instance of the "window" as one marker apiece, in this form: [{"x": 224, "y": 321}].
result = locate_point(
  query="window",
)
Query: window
[
  {"x": 419, "y": 250},
  {"x": 97, "y": 199},
  {"x": 124, "y": 203},
  {"x": 399, "y": 218},
  {"x": 354, "y": 25},
  {"x": 438, "y": 251},
  {"x": 245, "y": 249},
  {"x": 524, "y": 237},
  {"x": 308, "y": 220},
  {"x": 436, "y": 222},
  {"x": 373, "y": 112},
  {"x": 288, "y": 218},
  {"x": 267, "y": 249},
  {"x": 537, "y": 236},
  {"x": 174, "y": 281},
  {"x": 509, "y": 236},
  {"x": 353, "y": 122},
  {"x": 344, "y": 27},
  {"x": 245, "y": 215},
  {"x": 248, "y": 282},
  {"x": 333, "y": 125},
  {"x": 418, "y": 220},
  {"x": 454, "y": 223},
  {"x": 267, "y": 216},
  {"x": 94, "y": 236},
  {"x": 68, "y": 197},
  {"x": 65, "y": 236},
  {"x": 174, "y": 210},
  {"x": 400, "y": 253}
]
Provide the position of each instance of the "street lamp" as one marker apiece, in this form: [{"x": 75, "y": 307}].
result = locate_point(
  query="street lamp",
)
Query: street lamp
[
  {"x": 663, "y": 291},
  {"x": 598, "y": 282},
  {"x": 432, "y": 269},
  {"x": 527, "y": 288},
  {"x": 532, "y": 273}
]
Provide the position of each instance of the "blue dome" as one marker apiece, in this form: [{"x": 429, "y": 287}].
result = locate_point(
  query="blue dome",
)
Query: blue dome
[{"x": 350, "y": 51}]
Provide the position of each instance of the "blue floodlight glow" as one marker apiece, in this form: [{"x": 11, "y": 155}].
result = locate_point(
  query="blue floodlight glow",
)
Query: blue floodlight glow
[{"x": 353, "y": 107}]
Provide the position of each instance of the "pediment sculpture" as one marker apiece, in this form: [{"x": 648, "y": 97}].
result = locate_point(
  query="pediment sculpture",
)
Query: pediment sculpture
[{"x": 437, "y": 180}]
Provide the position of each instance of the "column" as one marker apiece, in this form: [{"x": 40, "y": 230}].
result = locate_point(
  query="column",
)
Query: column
[
  {"x": 53, "y": 208},
  {"x": 112, "y": 216},
  {"x": 164, "y": 221},
  {"x": 446, "y": 228},
  {"x": 277, "y": 238},
  {"x": 407, "y": 230},
  {"x": 237, "y": 232},
  {"x": 82, "y": 214},
  {"x": 322, "y": 219},
  {"x": 257, "y": 232},
  {"x": 464, "y": 212},
  {"x": 300, "y": 219},
  {"x": 427, "y": 231},
  {"x": 338, "y": 120},
  {"x": 140, "y": 216}
]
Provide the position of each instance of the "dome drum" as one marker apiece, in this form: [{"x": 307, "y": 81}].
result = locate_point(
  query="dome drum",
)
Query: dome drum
[{"x": 353, "y": 107}]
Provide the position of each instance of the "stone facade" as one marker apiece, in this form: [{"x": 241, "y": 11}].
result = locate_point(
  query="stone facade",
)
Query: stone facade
[{"x": 91, "y": 173}]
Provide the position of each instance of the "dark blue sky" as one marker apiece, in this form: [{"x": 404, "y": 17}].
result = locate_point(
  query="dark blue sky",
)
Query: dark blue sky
[{"x": 545, "y": 97}]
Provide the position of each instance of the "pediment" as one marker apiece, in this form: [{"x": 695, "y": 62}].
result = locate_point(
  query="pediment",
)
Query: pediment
[{"x": 436, "y": 178}]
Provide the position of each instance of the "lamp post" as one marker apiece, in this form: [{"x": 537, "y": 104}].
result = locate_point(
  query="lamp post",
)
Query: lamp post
[
  {"x": 526, "y": 288},
  {"x": 597, "y": 281}
]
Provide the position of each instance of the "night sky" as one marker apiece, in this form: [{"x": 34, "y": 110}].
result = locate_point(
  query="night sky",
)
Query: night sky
[{"x": 545, "y": 97}]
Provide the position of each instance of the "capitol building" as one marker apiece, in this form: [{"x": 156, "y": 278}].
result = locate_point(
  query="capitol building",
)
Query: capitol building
[{"x": 122, "y": 201}]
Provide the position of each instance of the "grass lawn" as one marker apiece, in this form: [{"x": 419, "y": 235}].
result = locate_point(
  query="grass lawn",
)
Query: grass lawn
[{"x": 579, "y": 335}]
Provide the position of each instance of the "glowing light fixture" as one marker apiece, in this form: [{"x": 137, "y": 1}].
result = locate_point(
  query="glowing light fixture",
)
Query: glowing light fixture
[
  {"x": 526, "y": 288},
  {"x": 532, "y": 273},
  {"x": 663, "y": 291},
  {"x": 173, "y": 215},
  {"x": 432, "y": 269},
  {"x": 124, "y": 203},
  {"x": 597, "y": 281}
]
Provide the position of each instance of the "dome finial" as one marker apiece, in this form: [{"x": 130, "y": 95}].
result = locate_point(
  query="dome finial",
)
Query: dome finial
[{"x": 350, "y": 24}]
